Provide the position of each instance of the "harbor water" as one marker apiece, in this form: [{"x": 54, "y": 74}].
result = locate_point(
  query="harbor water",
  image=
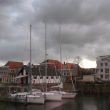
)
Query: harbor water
[{"x": 81, "y": 102}]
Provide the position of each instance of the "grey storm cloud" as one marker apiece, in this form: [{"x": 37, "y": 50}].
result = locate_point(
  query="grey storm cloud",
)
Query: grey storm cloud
[{"x": 85, "y": 28}]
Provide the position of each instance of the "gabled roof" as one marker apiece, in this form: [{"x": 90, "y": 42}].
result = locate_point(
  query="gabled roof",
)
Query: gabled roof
[
  {"x": 56, "y": 63},
  {"x": 14, "y": 64},
  {"x": 59, "y": 65}
]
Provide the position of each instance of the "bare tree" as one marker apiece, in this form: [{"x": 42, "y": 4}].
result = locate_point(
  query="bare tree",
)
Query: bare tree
[{"x": 77, "y": 60}]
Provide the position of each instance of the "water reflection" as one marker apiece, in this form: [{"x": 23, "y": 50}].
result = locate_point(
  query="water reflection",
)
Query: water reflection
[
  {"x": 79, "y": 103},
  {"x": 86, "y": 103}
]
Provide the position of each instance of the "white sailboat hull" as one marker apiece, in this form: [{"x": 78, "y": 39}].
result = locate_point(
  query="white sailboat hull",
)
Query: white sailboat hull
[
  {"x": 19, "y": 97},
  {"x": 67, "y": 95},
  {"x": 50, "y": 96},
  {"x": 25, "y": 97},
  {"x": 35, "y": 99}
]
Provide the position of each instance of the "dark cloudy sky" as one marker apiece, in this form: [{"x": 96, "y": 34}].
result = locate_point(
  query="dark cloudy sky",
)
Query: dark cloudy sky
[{"x": 85, "y": 29}]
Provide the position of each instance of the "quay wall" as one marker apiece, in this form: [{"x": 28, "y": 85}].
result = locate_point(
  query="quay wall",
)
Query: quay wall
[{"x": 93, "y": 87}]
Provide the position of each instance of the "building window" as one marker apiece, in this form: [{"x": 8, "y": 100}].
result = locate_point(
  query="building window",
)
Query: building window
[
  {"x": 101, "y": 64},
  {"x": 107, "y": 76},
  {"x": 65, "y": 74},
  {"x": 97, "y": 70},
  {"x": 101, "y": 76},
  {"x": 101, "y": 70},
  {"x": 106, "y": 64},
  {"x": 107, "y": 70}
]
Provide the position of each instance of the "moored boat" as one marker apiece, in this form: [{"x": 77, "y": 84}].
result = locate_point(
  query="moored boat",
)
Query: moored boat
[
  {"x": 26, "y": 97},
  {"x": 52, "y": 96},
  {"x": 30, "y": 96}
]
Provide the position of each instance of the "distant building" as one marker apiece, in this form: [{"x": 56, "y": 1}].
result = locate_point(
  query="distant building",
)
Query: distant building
[
  {"x": 38, "y": 75},
  {"x": 103, "y": 67},
  {"x": 55, "y": 71},
  {"x": 65, "y": 69},
  {"x": 4, "y": 71},
  {"x": 69, "y": 69},
  {"x": 9, "y": 71},
  {"x": 14, "y": 66}
]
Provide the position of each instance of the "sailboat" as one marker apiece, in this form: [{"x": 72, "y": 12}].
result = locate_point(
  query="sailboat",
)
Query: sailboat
[
  {"x": 65, "y": 95},
  {"x": 30, "y": 96},
  {"x": 49, "y": 95}
]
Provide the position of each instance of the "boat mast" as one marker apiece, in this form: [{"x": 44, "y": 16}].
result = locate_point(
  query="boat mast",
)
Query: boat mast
[
  {"x": 60, "y": 52},
  {"x": 73, "y": 86},
  {"x": 45, "y": 56},
  {"x": 30, "y": 63},
  {"x": 60, "y": 45}
]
